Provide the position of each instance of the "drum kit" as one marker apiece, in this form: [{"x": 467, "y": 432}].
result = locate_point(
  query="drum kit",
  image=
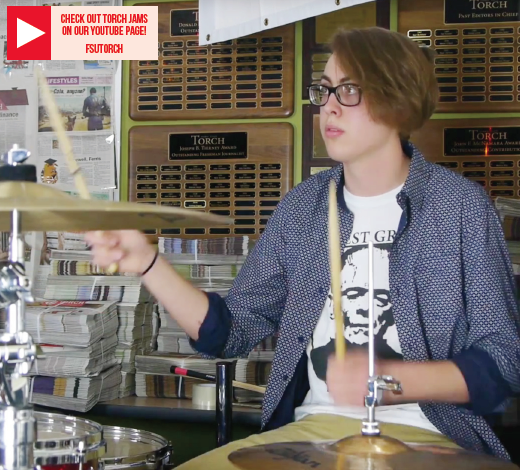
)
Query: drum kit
[{"x": 31, "y": 439}]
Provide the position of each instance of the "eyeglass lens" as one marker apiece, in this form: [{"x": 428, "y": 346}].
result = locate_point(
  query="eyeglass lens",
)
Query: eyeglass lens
[{"x": 346, "y": 94}]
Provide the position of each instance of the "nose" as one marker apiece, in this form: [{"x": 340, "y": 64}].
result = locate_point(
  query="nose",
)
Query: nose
[{"x": 332, "y": 106}]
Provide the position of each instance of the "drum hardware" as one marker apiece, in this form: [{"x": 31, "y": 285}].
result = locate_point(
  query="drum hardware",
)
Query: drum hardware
[
  {"x": 224, "y": 402},
  {"x": 135, "y": 449},
  {"x": 376, "y": 384},
  {"x": 17, "y": 423},
  {"x": 368, "y": 450},
  {"x": 224, "y": 395},
  {"x": 68, "y": 441},
  {"x": 27, "y": 206}
]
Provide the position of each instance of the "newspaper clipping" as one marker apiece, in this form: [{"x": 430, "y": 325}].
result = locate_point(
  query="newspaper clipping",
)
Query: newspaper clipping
[{"x": 84, "y": 104}]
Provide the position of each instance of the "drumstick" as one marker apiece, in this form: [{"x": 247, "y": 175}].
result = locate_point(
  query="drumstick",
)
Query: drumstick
[
  {"x": 65, "y": 145},
  {"x": 335, "y": 271},
  {"x": 211, "y": 378}
]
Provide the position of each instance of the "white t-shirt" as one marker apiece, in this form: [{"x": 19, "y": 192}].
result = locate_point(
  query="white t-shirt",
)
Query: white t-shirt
[{"x": 376, "y": 219}]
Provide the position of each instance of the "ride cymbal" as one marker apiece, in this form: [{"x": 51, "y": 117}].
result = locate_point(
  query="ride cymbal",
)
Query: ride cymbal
[
  {"x": 44, "y": 208},
  {"x": 327, "y": 456}
]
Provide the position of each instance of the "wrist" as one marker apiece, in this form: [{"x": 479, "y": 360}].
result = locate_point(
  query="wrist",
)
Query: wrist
[
  {"x": 393, "y": 369},
  {"x": 148, "y": 263}
]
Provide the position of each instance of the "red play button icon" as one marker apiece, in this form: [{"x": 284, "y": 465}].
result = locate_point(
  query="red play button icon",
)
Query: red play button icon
[{"x": 29, "y": 33}]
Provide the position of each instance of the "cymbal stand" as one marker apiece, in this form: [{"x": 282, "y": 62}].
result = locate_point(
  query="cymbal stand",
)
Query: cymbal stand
[
  {"x": 17, "y": 350},
  {"x": 376, "y": 383}
]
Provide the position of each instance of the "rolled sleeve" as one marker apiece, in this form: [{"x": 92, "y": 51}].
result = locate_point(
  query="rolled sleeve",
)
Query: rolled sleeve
[
  {"x": 214, "y": 330},
  {"x": 490, "y": 361},
  {"x": 487, "y": 388}
]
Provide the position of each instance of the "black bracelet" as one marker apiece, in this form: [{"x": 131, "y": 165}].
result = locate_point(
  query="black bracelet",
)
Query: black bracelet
[{"x": 151, "y": 264}]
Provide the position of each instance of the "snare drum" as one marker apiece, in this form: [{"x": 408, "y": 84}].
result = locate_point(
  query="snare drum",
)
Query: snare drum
[
  {"x": 67, "y": 443},
  {"x": 136, "y": 449}
]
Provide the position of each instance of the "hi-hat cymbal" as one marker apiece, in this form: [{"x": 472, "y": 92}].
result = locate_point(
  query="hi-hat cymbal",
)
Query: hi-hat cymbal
[
  {"x": 373, "y": 456},
  {"x": 44, "y": 208}
]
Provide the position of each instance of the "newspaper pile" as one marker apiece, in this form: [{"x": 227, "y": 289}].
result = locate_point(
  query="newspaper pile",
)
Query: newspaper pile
[
  {"x": 72, "y": 277},
  {"x": 79, "y": 341}
]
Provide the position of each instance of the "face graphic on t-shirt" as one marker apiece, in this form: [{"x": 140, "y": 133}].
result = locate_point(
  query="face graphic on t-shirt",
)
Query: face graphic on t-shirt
[
  {"x": 355, "y": 294},
  {"x": 354, "y": 305}
]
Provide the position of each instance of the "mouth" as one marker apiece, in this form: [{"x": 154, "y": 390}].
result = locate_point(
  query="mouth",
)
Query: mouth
[{"x": 333, "y": 131}]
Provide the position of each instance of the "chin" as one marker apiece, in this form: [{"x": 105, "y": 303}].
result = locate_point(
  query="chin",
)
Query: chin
[{"x": 340, "y": 156}]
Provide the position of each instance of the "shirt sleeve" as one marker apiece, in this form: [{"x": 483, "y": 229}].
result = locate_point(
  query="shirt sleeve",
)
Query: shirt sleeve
[
  {"x": 254, "y": 305},
  {"x": 490, "y": 361},
  {"x": 214, "y": 330}
]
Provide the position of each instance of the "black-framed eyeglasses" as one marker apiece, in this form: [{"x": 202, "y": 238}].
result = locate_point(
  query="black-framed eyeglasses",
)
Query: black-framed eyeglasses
[{"x": 347, "y": 94}]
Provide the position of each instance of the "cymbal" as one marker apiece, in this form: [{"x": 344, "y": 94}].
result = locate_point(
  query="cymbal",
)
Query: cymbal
[
  {"x": 373, "y": 456},
  {"x": 44, "y": 208}
]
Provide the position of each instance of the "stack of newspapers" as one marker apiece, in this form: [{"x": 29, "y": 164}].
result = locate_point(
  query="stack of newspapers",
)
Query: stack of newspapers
[
  {"x": 65, "y": 241},
  {"x": 72, "y": 277},
  {"x": 210, "y": 265},
  {"x": 78, "y": 340}
]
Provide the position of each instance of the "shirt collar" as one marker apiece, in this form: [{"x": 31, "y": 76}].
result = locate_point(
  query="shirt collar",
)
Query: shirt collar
[{"x": 414, "y": 188}]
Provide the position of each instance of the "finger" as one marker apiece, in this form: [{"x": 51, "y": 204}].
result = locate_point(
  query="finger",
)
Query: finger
[
  {"x": 104, "y": 257},
  {"x": 96, "y": 238},
  {"x": 111, "y": 238}
]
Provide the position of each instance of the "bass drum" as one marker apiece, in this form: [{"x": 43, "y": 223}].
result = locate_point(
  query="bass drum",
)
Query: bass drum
[
  {"x": 67, "y": 443},
  {"x": 139, "y": 450}
]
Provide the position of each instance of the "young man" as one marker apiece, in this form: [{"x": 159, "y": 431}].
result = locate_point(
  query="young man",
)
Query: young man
[{"x": 447, "y": 321}]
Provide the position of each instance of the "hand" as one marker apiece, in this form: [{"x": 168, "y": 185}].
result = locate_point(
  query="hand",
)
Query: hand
[
  {"x": 348, "y": 382},
  {"x": 130, "y": 249}
]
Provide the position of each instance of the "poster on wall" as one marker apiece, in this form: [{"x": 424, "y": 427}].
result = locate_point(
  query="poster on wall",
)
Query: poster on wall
[
  {"x": 84, "y": 103},
  {"x": 18, "y": 123},
  {"x": 84, "y": 93}
]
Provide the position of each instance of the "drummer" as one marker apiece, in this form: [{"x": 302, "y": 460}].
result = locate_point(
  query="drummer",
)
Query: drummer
[{"x": 447, "y": 323}]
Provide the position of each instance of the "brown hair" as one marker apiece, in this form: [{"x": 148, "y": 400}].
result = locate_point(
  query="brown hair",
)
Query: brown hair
[{"x": 395, "y": 74}]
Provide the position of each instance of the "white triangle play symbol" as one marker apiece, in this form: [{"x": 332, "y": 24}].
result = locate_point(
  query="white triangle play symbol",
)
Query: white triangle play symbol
[{"x": 26, "y": 33}]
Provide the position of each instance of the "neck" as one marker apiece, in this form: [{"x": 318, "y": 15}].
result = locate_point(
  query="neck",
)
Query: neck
[{"x": 377, "y": 172}]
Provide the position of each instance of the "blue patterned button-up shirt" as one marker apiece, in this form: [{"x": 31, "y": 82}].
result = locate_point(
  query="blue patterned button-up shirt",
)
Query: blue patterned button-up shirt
[{"x": 451, "y": 286}]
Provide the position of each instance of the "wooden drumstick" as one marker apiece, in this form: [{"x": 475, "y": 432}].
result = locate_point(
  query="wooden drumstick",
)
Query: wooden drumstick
[
  {"x": 65, "y": 145},
  {"x": 335, "y": 271},
  {"x": 181, "y": 371},
  {"x": 246, "y": 386}
]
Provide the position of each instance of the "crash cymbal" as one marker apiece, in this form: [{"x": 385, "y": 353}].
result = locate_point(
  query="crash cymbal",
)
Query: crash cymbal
[
  {"x": 326, "y": 456},
  {"x": 44, "y": 208},
  {"x": 368, "y": 445}
]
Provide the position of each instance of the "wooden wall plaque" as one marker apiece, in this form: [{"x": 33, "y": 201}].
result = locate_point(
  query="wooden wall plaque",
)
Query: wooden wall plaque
[
  {"x": 483, "y": 150},
  {"x": 237, "y": 170},
  {"x": 318, "y": 30},
  {"x": 248, "y": 77},
  {"x": 477, "y": 45},
  {"x": 314, "y": 156}
]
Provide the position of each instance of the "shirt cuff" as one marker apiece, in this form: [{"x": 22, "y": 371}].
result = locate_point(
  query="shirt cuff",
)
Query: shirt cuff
[
  {"x": 486, "y": 386},
  {"x": 214, "y": 330}
]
